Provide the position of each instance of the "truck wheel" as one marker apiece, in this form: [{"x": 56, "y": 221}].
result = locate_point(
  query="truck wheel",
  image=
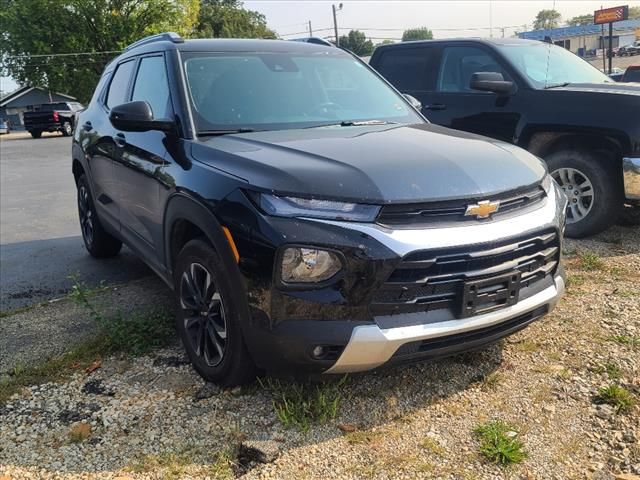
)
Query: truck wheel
[
  {"x": 67, "y": 129},
  {"x": 35, "y": 133},
  {"x": 98, "y": 242},
  {"x": 593, "y": 191},
  {"x": 208, "y": 317}
]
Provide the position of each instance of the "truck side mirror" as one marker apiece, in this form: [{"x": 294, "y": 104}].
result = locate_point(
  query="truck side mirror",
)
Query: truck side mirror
[{"x": 491, "y": 82}]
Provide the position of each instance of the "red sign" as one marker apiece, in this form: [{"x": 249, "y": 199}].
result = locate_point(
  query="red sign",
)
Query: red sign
[{"x": 610, "y": 15}]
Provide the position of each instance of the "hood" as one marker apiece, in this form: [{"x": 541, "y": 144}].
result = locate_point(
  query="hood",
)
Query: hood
[
  {"x": 372, "y": 164},
  {"x": 613, "y": 88}
]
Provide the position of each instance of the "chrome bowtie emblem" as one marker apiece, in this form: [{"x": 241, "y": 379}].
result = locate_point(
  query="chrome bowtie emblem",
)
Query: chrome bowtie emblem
[{"x": 482, "y": 209}]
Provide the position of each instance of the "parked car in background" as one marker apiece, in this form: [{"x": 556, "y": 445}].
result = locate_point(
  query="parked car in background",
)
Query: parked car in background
[
  {"x": 632, "y": 74},
  {"x": 537, "y": 96},
  {"x": 52, "y": 117},
  {"x": 616, "y": 73},
  {"x": 629, "y": 50},
  {"x": 306, "y": 216},
  {"x": 4, "y": 126}
]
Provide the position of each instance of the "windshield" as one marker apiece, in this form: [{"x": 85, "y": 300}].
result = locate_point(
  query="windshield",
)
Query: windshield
[
  {"x": 277, "y": 91},
  {"x": 547, "y": 65}
]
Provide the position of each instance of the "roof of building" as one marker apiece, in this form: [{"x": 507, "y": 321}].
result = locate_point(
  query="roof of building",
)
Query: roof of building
[
  {"x": 579, "y": 31},
  {"x": 10, "y": 97}
]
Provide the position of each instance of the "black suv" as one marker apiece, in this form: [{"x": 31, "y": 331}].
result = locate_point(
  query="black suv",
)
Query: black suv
[
  {"x": 540, "y": 97},
  {"x": 305, "y": 214}
]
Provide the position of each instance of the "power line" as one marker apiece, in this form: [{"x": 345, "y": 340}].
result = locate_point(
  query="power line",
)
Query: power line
[{"x": 63, "y": 54}]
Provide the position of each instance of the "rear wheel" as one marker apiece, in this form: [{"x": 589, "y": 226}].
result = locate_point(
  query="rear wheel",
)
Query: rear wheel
[
  {"x": 35, "y": 133},
  {"x": 67, "y": 129},
  {"x": 208, "y": 317},
  {"x": 98, "y": 242},
  {"x": 592, "y": 190}
]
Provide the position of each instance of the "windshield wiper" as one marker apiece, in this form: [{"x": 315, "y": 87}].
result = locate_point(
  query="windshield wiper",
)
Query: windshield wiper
[
  {"x": 355, "y": 123},
  {"x": 224, "y": 131},
  {"x": 557, "y": 85}
]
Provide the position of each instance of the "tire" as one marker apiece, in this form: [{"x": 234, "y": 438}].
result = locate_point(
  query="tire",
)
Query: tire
[
  {"x": 35, "y": 133},
  {"x": 67, "y": 129},
  {"x": 98, "y": 242},
  {"x": 213, "y": 340},
  {"x": 599, "y": 200}
]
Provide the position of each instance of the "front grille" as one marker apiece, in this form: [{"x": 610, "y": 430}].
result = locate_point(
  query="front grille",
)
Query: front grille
[
  {"x": 430, "y": 280},
  {"x": 439, "y": 213}
]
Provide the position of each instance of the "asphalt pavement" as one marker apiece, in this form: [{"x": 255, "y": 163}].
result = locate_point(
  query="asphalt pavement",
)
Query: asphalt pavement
[{"x": 40, "y": 239}]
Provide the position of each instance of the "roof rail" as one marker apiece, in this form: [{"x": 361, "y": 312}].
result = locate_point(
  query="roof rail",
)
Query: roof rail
[{"x": 165, "y": 36}]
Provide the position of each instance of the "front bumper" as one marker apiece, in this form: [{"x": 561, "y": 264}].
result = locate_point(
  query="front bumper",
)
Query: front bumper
[
  {"x": 371, "y": 346},
  {"x": 631, "y": 173}
]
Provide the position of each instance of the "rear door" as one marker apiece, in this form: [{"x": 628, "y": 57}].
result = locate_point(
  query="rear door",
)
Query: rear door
[
  {"x": 140, "y": 160},
  {"x": 454, "y": 104}
]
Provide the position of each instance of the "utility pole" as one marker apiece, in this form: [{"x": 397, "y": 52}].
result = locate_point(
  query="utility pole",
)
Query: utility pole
[
  {"x": 310, "y": 29},
  {"x": 503, "y": 29},
  {"x": 335, "y": 22},
  {"x": 490, "y": 19}
]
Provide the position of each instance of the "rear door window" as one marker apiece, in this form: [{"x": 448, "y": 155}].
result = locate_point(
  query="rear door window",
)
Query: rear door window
[
  {"x": 410, "y": 69},
  {"x": 119, "y": 87}
]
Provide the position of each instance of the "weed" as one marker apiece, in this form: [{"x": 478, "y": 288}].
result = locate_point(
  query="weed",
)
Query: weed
[
  {"x": 499, "y": 443},
  {"x": 575, "y": 280},
  {"x": 616, "y": 396},
  {"x": 79, "y": 432},
  {"x": 492, "y": 381},
  {"x": 433, "y": 446},
  {"x": 186, "y": 461},
  {"x": 611, "y": 369},
  {"x": 360, "y": 437},
  {"x": 591, "y": 261},
  {"x": 303, "y": 404},
  {"x": 630, "y": 340}
]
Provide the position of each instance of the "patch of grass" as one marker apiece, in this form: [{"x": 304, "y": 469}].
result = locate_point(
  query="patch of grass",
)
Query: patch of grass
[
  {"x": 492, "y": 381},
  {"x": 433, "y": 446},
  {"x": 611, "y": 369},
  {"x": 302, "y": 404},
  {"x": 499, "y": 443},
  {"x": 590, "y": 261},
  {"x": 575, "y": 280},
  {"x": 630, "y": 340},
  {"x": 186, "y": 462},
  {"x": 79, "y": 432},
  {"x": 526, "y": 346},
  {"x": 135, "y": 335},
  {"x": 616, "y": 396},
  {"x": 363, "y": 437}
]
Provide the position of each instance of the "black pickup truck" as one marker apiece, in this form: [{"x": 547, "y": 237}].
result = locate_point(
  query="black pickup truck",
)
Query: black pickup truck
[
  {"x": 540, "y": 97},
  {"x": 52, "y": 117}
]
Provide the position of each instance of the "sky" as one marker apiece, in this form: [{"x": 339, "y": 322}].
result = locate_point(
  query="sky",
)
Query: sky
[{"x": 464, "y": 18}]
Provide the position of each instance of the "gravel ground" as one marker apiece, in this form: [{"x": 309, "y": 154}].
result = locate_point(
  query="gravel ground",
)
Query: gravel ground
[{"x": 152, "y": 417}]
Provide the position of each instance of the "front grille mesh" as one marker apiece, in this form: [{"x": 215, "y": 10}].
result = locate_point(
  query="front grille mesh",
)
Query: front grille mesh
[{"x": 434, "y": 279}]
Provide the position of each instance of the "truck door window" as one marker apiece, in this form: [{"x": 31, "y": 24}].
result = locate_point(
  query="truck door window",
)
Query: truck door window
[
  {"x": 152, "y": 86},
  {"x": 460, "y": 63},
  {"x": 118, "y": 89},
  {"x": 409, "y": 69}
]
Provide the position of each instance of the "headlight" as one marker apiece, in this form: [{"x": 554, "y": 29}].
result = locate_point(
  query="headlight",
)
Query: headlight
[
  {"x": 303, "y": 207},
  {"x": 307, "y": 265}
]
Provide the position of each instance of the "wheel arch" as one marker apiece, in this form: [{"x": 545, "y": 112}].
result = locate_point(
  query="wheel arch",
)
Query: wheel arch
[{"x": 544, "y": 143}]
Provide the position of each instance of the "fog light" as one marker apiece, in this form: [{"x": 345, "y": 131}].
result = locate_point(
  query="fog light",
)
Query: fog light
[
  {"x": 318, "y": 351},
  {"x": 308, "y": 265}
]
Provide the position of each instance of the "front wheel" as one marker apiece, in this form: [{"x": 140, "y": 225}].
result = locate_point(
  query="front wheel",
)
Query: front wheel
[
  {"x": 98, "y": 242},
  {"x": 208, "y": 316},
  {"x": 592, "y": 190}
]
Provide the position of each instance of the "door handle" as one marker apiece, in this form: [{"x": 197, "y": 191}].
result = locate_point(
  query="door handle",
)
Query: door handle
[
  {"x": 435, "y": 106},
  {"x": 120, "y": 140},
  {"x": 87, "y": 126}
]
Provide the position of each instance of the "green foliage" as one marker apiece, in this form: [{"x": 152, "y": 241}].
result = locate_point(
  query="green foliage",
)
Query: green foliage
[
  {"x": 586, "y": 19},
  {"x": 422, "y": 33},
  {"x": 386, "y": 42},
  {"x": 227, "y": 19},
  {"x": 616, "y": 396},
  {"x": 499, "y": 443},
  {"x": 591, "y": 261},
  {"x": 547, "y": 19},
  {"x": 357, "y": 42},
  {"x": 630, "y": 340},
  {"x": 301, "y": 405},
  {"x": 42, "y": 27}
]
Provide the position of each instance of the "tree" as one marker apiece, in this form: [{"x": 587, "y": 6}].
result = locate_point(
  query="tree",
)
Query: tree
[
  {"x": 34, "y": 29},
  {"x": 227, "y": 19},
  {"x": 547, "y": 19},
  {"x": 586, "y": 19},
  {"x": 386, "y": 42},
  {"x": 357, "y": 42},
  {"x": 422, "y": 33},
  {"x": 634, "y": 13}
]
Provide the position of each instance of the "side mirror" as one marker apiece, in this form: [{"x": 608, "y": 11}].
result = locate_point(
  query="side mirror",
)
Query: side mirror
[
  {"x": 138, "y": 117},
  {"x": 491, "y": 82},
  {"x": 415, "y": 103}
]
